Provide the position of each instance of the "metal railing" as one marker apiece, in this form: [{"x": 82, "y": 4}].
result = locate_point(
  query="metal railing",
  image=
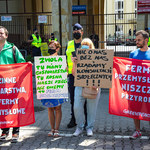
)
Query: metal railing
[
  {"x": 21, "y": 27},
  {"x": 115, "y": 32}
]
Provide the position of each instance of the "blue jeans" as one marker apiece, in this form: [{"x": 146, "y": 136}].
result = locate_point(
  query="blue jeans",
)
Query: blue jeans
[{"x": 79, "y": 109}]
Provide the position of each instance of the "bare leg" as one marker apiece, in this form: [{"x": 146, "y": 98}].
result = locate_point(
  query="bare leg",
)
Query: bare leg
[
  {"x": 51, "y": 117},
  {"x": 137, "y": 124},
  {"x": 58, "y": 115}
]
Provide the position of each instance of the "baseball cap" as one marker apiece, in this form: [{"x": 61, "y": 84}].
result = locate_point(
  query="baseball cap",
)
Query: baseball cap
[
  {"x": 77, "y": 26},
  {"x": 35, "y": 29}
]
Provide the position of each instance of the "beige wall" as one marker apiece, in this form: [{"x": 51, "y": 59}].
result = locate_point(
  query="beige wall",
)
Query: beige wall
[{"x": 129, "y": 7}]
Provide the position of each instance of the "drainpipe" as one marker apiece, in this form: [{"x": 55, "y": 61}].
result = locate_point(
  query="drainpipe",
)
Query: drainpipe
[{"x": 60, "y": 27}]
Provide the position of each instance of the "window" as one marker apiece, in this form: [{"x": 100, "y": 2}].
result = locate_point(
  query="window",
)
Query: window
[
  {"x": 119, "y": 30},
  {"x": 119, "y": 8}
]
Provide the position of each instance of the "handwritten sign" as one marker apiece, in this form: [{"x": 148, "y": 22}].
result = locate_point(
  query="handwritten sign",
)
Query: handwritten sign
[
  {"x": 16, "y": 95},
  {"x": 51, "y": 77},
  {"x": 94, "y": 68}
]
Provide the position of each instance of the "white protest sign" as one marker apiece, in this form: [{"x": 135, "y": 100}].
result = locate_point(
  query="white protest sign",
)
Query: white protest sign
[
  {"x": 51, "y": 77},
  {"x": 42, "y": 19}
]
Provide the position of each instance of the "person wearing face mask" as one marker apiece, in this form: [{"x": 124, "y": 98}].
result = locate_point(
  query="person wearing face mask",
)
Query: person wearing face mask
[
  {"x": 54, "y": 105},
  {"x": 79, "y": 100},
  {"x": 70, "y": 49},
  {"x": 35, "y": 41},
  {"x": 52, "y": 37}
]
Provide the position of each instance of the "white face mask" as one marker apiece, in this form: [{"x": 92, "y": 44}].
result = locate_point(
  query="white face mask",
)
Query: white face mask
[{"x": 84, "y": 47}]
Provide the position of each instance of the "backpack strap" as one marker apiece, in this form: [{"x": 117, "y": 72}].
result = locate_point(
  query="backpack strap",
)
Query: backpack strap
[{"x": 14, "y": 54}]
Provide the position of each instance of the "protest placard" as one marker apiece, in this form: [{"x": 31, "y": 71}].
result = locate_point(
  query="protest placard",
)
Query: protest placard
[
  {"x": 51, "y": 77},
  {"x": 130, "y": 92},
  {"x": 16, "y": 95},
  {"x": 94, "y": 68},
  {"x": 44, "y": 49}
]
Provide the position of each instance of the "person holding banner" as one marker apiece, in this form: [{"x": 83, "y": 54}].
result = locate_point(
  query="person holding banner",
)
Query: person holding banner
[
  {"x": 9, "y": 54},
  {"x": 79, "y": 100},
  {"x": 142, "y": 53},
  {"x": 54, "y": 105}
]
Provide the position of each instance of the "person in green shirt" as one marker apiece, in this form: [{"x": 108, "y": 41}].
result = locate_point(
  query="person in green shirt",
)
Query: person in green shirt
[{"x": 7, "y": 57}]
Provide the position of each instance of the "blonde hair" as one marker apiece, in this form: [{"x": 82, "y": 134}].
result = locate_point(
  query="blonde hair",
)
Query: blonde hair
[{"x": 87, "y": 41}]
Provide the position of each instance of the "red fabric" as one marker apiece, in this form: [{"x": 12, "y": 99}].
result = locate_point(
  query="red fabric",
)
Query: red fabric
[
  {"x": 18, "y": 104},
  {"x": 130, "y": 94}
]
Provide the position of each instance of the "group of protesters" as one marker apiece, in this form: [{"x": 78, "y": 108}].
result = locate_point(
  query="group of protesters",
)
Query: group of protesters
[{"x": 83, "y": 110}]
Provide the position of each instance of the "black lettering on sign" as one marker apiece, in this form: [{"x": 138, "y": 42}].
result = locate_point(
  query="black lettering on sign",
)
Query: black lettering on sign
[
  {"x": 81, "y": 51},
  {"x": 87, "y": 82},
  {"x": 101, "y": 57},
  {"x": 85, "y": 57},
  {"x": 93, "y": 82}
]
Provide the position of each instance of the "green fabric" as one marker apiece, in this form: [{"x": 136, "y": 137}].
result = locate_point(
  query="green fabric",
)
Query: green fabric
[
  {"x": 54, "y": 39},
  {"x": 36, "y": 42},
  {"x": 70, "y": 49},
  {"x": 149, "y": 41},
  {"x": 6, "y": 54}
]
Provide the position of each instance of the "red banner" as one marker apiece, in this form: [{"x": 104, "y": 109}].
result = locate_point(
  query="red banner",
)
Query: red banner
[
  {"x": 16, "y": 95},
  {"x": 130, "y": 92},
  {"x": 143, "y": 6}
]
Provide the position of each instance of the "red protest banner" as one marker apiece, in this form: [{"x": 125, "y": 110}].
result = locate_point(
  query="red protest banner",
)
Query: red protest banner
[
  {"x": 16, "y": 95},
  {"x": 143, "y": 6},
  {"x": 130, "y": 92}
]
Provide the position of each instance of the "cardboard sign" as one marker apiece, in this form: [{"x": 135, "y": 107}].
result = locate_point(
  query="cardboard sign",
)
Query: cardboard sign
[
  {"x": 51, "y": 77},
  {"x": 94, "y": 68},
  {"x": 16, "y": 95},
  {"x": 130, "y": 92},
  {"x": 44, "y": 49}
]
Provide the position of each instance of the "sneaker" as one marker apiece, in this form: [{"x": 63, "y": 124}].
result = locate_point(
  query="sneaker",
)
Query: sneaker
[
  {"x": 3, "y": 137},
  {"x": 89, "y": 132},
  {"x": 77, "y": 132},
  {"x": 136, "y": 134},
  {"x": 15, "y": 138},
  {"x": 71, "y": 124}
]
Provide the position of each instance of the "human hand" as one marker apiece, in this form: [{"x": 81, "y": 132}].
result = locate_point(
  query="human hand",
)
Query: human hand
[{"x": 74, "y": 59}]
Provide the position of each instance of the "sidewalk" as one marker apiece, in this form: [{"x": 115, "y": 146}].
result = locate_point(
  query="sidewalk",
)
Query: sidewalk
[{"x": 110, "y": 132}]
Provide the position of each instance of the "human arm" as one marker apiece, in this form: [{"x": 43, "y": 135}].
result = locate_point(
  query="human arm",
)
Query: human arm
[
  {"x": 19, "y": 57},
  {"x": 30, "y": 40},
  {"x": 74, "y": 60}
]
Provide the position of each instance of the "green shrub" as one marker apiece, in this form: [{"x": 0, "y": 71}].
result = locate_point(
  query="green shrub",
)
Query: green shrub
[{"x": 29, "y": 58}]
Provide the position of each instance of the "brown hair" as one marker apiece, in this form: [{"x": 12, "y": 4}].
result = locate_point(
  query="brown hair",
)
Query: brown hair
[
  {"x": 143, "y": 33},
  {"x": 5, "y": 30},
  {"x": 56, "y": 44}
]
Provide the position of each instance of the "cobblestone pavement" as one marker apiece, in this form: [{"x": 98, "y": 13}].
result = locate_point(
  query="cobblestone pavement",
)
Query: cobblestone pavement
[{"x": 110, "y": 132}]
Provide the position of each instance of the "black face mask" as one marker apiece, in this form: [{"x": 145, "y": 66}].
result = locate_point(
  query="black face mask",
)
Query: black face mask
[
  {"x": 77, "y": 35},
  {"x": 37, "y": 33},
  {"x": 52, "y": 51},
  {"x": 52, "y": 37}
]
